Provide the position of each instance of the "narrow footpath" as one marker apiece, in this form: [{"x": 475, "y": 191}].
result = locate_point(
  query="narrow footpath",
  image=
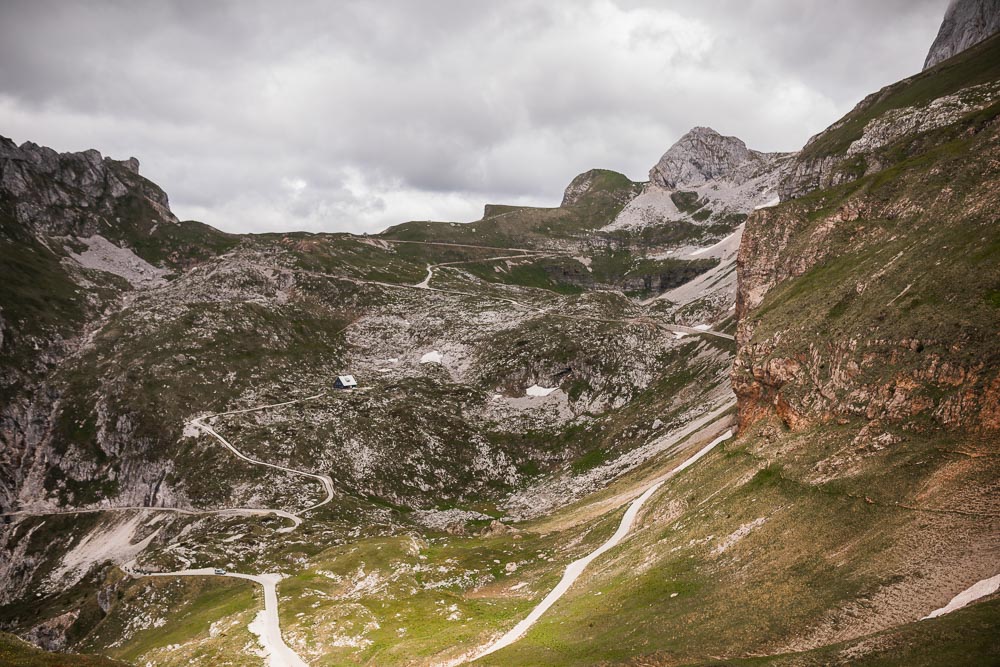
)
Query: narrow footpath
[{"x": 576, "y": 568}]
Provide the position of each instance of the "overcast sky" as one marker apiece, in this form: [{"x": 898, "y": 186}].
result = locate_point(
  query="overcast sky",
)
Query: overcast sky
[{"x": 351, "y": 116}]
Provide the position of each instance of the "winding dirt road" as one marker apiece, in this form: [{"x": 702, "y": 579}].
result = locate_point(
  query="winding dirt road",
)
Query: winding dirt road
[
  {"x": 325, "y": 480},
  {"x": 266, "y": 624},
  {"x": 576, "y": 568}
]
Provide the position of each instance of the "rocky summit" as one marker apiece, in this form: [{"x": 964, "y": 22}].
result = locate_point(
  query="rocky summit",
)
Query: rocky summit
[
  {"x": 745, "y": 412},
  {"x": 704, "y": 155},
  {"x": 965, "y": 24}
]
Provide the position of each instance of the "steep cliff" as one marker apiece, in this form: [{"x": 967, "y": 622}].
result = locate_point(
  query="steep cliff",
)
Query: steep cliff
[
  {"x": 876, "y": 299},
  {"x": 966, "y": 23},
  {"x": 79, "y": 235}
]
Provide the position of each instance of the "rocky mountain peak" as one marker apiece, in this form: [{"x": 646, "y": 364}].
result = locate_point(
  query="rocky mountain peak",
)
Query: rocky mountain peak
[
  {"x": 965, "y": 24},
  {"x": 74, "y": 192},
  {"x": 598, "y": 182},
  {"x": 704, "y": 155}
]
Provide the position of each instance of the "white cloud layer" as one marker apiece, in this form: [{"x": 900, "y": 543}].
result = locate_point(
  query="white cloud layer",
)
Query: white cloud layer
[{"x": 354, "y": 115}]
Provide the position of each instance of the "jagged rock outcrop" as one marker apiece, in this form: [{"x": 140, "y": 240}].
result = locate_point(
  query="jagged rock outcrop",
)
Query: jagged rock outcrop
[
  {"x": 726, "y": 178},
  {"x": 75, "y": 193},
  {"x": 704, "y": 155},
  {"x": 966, "y": 23},
  {"x": 72, "y": 227}
]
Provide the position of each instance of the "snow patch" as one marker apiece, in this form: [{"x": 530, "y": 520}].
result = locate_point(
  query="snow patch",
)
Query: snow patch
[
  {"x": 977, "y": 590},
  {"x": 433, "y": 357},
  {"x": 538, "y": 390}
]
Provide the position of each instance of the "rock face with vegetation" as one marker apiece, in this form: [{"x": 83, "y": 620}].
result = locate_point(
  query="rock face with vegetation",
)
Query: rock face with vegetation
[
  {"x": 873, "y": 342},
  {"x": 857, "y": 145}
]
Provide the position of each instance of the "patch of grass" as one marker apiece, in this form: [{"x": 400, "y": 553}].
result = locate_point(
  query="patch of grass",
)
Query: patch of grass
[
  {"x": 686, "y": 202},
  {"x": 966, "y": 637},
  {"x": 17, "y": 653}
]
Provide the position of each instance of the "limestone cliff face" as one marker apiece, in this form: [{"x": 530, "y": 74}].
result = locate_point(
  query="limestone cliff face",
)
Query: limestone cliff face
[
  {"x": 705, "y": 179},
  {"x": 71, "y": 225},
  {"x": 873, "y": 304},
  {"x": 966, "y": 23}
]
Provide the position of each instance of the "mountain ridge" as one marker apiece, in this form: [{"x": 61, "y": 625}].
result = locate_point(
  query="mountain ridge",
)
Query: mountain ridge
[{"x": 523, "y": 378}]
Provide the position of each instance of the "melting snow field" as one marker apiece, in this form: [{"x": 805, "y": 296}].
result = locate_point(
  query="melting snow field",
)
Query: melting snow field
[
  {"x": 538, "y": 390},
  {"x": 433, "y": 357},
  {"x": 977, "y": 590}
]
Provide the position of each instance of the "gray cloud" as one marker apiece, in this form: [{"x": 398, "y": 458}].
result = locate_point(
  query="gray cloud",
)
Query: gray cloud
[{"x": 355, "y": 115}]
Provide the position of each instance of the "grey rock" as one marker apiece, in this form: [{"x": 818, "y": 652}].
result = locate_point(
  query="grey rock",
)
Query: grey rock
[
  {"x": 72, "y": 194},
  {"x": 965, "y": 24},
  {"x": 704, "y": 155}
]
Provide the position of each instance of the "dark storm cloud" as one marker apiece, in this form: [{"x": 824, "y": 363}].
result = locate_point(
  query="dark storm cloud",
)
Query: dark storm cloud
[{"x": 355, "y": 115}]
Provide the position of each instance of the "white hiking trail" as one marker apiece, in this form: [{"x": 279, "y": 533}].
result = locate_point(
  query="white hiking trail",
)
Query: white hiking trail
[
  {"x": 426, "y": 282},
  {"x": 325, "y": 480},
  {"x": 296, "y": 520},
  {"x": 576, "y": 568},
  {"x": 265, "y": 625}
]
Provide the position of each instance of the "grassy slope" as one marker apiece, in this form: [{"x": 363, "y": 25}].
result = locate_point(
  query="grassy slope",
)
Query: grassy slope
[
  {"x": 911, "y": 253},
  {"x": 691, "y": 584},
  {"x": 978, "y": 64},
  {"x": 530, "y": 227},
  {"x": 967, "y": 637},
  {"x": 16, "y": 653}
]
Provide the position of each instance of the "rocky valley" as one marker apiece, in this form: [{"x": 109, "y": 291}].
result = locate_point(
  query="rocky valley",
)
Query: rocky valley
[{"x": 745, "y": 412}]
